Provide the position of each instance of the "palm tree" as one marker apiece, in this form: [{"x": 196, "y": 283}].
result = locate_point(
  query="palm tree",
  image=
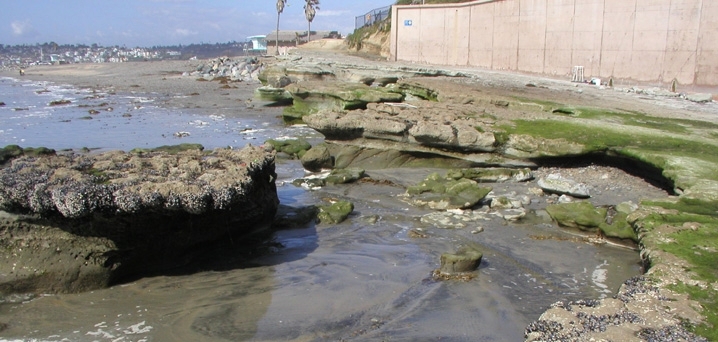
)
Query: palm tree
[
  {"x": 280, "y": 9},
  {"x": 310, "y": 10}
]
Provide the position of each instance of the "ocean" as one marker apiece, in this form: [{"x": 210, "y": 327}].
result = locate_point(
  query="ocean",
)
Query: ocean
[{"x": 122, "y": 122}]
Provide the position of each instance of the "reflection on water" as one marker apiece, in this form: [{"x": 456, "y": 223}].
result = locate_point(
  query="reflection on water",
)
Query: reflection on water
[
  {"x": 123, "y": 121},
  {"x": 364, "y": 279}
]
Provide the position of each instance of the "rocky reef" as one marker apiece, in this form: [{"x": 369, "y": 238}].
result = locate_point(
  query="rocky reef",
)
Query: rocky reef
[
  {"x": 73, "y": 222},
  {"x": 460, "y": 120}
]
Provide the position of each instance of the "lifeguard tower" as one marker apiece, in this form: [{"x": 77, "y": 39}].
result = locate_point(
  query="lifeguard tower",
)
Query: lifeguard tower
[{"x": 259, "y": 45}]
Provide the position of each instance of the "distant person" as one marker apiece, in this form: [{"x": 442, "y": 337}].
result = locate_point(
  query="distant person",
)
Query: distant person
[{"x": 22, "y": 72}]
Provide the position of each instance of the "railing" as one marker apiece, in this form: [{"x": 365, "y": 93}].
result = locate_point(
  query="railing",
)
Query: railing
[{"x": 372, "y": 16}]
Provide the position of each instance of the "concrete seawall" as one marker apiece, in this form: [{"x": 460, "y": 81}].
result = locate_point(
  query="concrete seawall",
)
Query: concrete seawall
[{"x": 648, "y": 41}]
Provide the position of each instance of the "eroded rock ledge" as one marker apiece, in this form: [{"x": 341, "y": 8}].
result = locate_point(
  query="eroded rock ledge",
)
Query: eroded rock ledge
[{"x": 78, "y": 222}]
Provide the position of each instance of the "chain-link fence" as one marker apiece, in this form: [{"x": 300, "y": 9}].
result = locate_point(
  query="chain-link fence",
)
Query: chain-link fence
[{"x": 372, "y": 16}]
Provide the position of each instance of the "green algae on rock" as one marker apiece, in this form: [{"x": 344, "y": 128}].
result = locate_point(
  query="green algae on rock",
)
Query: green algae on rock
[
  {"x": 171, "y": 149},
  {"x": 442, "y": 193},
  {"x": 334, "y": 213},
  {"x": 582, "y": 215},
  {"x": 314, "y": 97},
  {"x": 292, "y": 147},
  {"x": 344, "y": 176},
  {"x": 13, "y": 151}
]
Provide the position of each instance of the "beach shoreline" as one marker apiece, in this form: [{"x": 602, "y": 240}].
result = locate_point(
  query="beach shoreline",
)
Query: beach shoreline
[{"x": 162, "y": 78}]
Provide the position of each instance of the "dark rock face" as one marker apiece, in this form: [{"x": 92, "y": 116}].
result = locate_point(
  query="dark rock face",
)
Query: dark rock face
[
  {"x": 77, "y": 222},
  {"x": 317, "y": 158}
]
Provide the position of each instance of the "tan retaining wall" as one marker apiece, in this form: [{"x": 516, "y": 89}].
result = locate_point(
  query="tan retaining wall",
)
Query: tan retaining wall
[{"x": 649, "y": 41}]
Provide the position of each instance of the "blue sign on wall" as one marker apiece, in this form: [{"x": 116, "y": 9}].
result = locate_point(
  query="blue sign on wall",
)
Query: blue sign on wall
[{"x": 408, "y": 22}]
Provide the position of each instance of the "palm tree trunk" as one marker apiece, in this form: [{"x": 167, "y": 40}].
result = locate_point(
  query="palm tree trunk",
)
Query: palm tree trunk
[
  {"x": 309, "y": 32},
  {"x": 276, "y": 42}
]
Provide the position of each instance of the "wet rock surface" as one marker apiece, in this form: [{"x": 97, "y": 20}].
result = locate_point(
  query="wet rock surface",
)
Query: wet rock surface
[{"x": 77, "y": 222}]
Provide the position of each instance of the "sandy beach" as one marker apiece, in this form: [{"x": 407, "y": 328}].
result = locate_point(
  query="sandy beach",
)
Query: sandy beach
[{"x": 163, "y": 78}]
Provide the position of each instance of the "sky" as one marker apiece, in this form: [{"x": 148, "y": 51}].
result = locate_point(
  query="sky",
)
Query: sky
[{"x": 146, "y": 23}]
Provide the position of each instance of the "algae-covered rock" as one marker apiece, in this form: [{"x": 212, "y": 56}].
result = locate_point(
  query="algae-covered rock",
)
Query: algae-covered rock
[
  {"x": 526, "y": 146},
  {"x": 619, "y": 228},
  {"x": 335, "y": 213},
  {"x": 343, "y": 176},
  {"x": 13, "y": 151},
  {"x": 171, "y": 149},
  {"x": 10, "y": 151},
  {"x": 418, "y": 90},
  {"x": 310, "y": 183},
  {"x": 313, "y": 97},
  {"x": 432, "y": 183},
  {"x": 276, "y": 95},
  {"x": 467, "y": 259},
  {"x": 443, "y": 193},
  {"x": 582, "y": 215},
  {"x": 292, "y": 147}
]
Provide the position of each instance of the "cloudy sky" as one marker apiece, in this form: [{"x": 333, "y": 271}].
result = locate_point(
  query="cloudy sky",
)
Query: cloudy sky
[{"x": 134, "y": 23}]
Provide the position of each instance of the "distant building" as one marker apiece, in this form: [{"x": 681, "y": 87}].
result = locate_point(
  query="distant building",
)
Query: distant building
[{"x": 259, "y": 44}]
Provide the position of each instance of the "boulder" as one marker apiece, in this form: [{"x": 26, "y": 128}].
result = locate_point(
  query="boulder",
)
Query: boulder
[
  {"x": 582, "y": 215},
  {"x": 293, "y": 147},
  {"x": 466, "y": 259},
  {"x": 442, "y": 193},
  {"x": 619, "y": 228},
  {"x": 700, "y": 98},
  {"x": 557, "y": 184},
  {"x": 294, "y": 217},
  {"x": 317, "y": 158},
  {"x": 334, "y": 213},
  {"x": 344, "y": 176}
]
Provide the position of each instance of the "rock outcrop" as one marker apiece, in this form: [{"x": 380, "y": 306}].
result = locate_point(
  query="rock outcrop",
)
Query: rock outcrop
[
  {"x": 464, "y": 122},
  {"x": 78, "y": 222},
  {"x": 244, "y": 69}
]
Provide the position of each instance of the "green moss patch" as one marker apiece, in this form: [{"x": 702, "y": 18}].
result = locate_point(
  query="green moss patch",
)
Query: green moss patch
[
  {"x": 171, "y": 149},
  {"x": 642, "y": 120},
  {"x": 13, "y": 151},
  {"x": 694, "y": 239}
]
